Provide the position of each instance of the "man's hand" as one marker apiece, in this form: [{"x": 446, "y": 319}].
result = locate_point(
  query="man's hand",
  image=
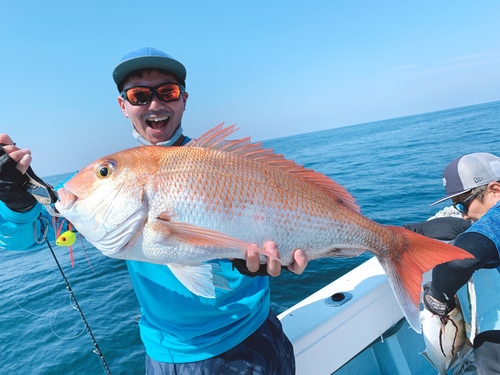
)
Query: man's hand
[
  {"x": 252, "y": 267},
  {"x": 435, "y": 306},
  {"x": 273, "y": 266},
  {"x": 21, "y": 156},
  {"x": 13, "y": 165}
]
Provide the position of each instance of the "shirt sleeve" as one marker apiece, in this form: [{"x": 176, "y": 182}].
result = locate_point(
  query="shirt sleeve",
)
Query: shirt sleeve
[
  {"x": 443, "y": 228},
  {"x": 448, "y": 278},
  {"x": 23, "y": 231}
]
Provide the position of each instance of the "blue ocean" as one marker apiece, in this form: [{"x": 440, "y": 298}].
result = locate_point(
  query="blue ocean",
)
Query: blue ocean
[{"x": 392, "y": 167}]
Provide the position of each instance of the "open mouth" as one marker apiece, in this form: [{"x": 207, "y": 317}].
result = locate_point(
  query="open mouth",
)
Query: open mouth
[
  {"x": 66, "y": 199},
  {"x": 157, "y": 123}
]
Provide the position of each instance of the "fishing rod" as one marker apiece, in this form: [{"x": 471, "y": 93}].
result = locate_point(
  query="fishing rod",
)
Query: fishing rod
[
  {"x": 97, "y": 350},
  {"x": 46, "y": 195}
]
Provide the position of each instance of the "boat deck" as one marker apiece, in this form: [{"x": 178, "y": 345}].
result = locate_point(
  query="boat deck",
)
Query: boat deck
[{"x": 366, "y": 332}]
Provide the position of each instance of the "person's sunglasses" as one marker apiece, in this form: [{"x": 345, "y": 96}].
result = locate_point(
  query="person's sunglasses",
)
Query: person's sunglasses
[
  {"x": 141, "y": 95},
  {"x": 463, "y": 206}
]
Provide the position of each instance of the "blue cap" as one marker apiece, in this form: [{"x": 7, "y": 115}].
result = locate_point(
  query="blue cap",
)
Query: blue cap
[{"x": 148, "y": 58}]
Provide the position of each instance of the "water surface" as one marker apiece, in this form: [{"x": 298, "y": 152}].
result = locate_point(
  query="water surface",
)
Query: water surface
[{"x": 393, "y": 168}]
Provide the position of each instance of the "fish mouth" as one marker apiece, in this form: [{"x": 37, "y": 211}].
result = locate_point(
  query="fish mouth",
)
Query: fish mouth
[
  {"x": 104, "y": 227},
  {"x": 67, "y": 199}
]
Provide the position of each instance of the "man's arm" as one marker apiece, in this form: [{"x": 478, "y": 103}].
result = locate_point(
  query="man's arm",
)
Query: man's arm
[
  {"x": 448, "y": 278},
  {"x": 443, "y": 228},
  {"x": 18, "y": 230},
  {"x": 19, "y": 211},
  {"x": 13, "y": 165}
]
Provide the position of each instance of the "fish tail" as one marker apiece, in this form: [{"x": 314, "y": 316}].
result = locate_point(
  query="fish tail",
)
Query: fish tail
[{"x": 404, "y": 268}]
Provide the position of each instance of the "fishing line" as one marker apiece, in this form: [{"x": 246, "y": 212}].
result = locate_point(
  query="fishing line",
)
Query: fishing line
[
  {"x": 64, "y": 338},
  {"x": 85, "y": 251},
  {"x": 97, "y": 350},
  {"x": 51, "y": 315},
  {"x": 17, "y": 302},
  {"x": 44, "y": 315}
]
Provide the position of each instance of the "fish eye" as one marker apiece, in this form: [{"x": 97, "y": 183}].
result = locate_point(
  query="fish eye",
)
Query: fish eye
[{"x": 104, "y": 170}]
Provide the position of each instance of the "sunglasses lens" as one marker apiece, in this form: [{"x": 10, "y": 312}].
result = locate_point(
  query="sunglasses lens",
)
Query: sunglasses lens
[
  {"x": 169, "y": 92},
  {"x": 463, "y": 206},
  {"x": 142, "y": 95},
  {"x": 138, "y": 95}
]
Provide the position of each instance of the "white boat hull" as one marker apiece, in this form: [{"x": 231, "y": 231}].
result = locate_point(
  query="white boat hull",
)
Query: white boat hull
[{"x": 368, "y": 334}]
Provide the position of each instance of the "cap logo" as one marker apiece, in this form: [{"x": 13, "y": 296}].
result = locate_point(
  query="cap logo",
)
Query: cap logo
[
  {"x": 444, "y": 181},
  {"x": 477, "y": 179}
]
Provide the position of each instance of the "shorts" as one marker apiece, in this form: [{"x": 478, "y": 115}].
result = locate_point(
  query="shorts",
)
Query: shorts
[
  {"x": 487, "y": 352},
  {"x": 267, "y": 351}
]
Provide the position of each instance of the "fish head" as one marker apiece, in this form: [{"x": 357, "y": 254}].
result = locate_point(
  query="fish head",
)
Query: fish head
[{"x": 105, "y": 201}]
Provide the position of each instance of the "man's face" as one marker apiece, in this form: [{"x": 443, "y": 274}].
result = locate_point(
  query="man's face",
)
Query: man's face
[
  {"x": 156, "y": 121},
  {"x": 476, "y": 209}
]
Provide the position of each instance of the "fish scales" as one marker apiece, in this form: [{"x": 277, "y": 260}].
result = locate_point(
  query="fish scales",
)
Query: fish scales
[
  {"x": 214, "y": 199},
  {"x": 269, "y": 192}
]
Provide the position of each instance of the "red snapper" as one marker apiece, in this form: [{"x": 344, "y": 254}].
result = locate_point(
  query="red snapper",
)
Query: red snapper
[{"x": 214, "y": 198}]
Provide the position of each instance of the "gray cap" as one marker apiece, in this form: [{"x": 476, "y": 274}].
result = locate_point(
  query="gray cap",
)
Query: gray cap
[
  {"x": 148, "y": 58},
  {"x": 468, "y": 172}
]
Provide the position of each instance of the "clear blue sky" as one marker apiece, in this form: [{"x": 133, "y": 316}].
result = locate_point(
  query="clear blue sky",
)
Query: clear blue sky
[{"x": 275, "y": 68}]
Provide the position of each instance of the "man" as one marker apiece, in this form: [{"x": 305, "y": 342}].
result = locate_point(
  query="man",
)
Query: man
[
  {"x": 472, "y": 183},
  {"x": 183, "y": 333}
]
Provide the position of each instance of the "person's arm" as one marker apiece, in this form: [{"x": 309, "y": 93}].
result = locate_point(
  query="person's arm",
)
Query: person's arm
[
  {"x": 21, "y": 231},
  {"x": 448, "y": 278},
  {"x": 20, "y": 223},
  {"x": 13, "y": 165},
  {"x": 443, "y": 228}
]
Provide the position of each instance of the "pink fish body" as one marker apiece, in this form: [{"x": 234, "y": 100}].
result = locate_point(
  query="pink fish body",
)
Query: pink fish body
[{"x": 213, "y": 199}]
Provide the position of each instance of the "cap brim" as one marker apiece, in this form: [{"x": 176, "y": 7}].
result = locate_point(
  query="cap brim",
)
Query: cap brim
[{"x": 449, "y": 196}]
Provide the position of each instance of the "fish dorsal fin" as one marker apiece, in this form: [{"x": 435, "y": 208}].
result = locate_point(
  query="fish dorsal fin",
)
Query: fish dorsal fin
[{"x": 215, "y": 139}]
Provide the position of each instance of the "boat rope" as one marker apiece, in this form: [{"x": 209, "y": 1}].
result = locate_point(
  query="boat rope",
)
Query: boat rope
[{"x": 97, "y": 350}]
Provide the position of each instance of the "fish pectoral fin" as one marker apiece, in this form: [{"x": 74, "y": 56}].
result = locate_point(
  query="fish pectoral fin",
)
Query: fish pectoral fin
[
  {"x": 170, "y": 232},
  {"x": 200, "y": 279},
  {"x": 424, "y": 353}
]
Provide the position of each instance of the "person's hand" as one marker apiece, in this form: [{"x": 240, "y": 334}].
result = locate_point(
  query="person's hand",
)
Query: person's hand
[
  {"x": 273, "y": 266},
  {"x": 13, "y": 165},
  {"x": 22, "y": 157},
  {"x": 252, "y": 267},
  {"x": 435, "y": 306}
]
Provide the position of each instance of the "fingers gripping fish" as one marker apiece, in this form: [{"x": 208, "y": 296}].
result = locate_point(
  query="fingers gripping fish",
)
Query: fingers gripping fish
[{"x": 214, "y": 198}]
